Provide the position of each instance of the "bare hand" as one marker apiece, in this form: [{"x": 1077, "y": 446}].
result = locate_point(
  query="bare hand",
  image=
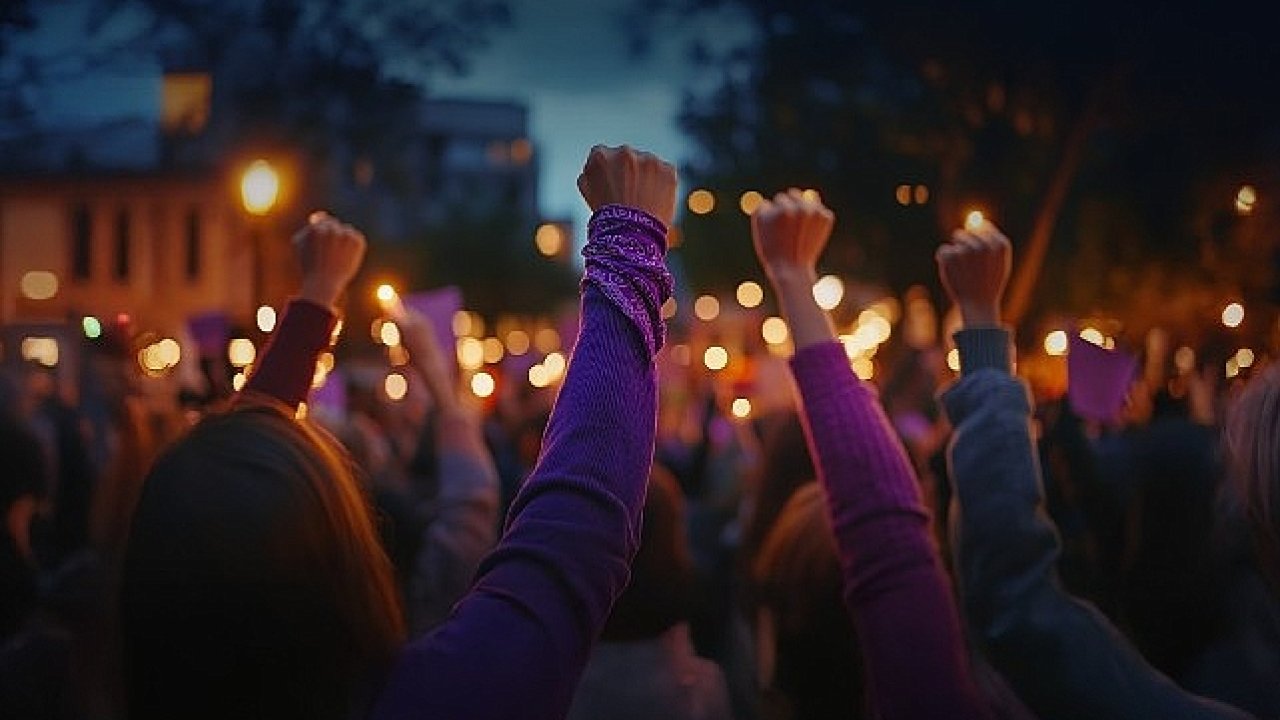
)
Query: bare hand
[
  {"x": 626, "y": 176},
  {"x": 790, "y": 233},
  {"x": 330, "y": 253},
  {"x": 974, "y": 268}
]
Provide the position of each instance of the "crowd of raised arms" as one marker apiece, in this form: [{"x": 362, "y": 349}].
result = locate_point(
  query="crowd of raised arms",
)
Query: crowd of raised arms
[{"x": 259, "y": 564}]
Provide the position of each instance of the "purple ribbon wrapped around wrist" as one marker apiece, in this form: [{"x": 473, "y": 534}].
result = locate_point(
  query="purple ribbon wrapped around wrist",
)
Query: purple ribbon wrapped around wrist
[{"x": 625, "y": 259}]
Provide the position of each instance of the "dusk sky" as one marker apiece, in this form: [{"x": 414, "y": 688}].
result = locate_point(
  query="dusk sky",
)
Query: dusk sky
[{"x": 567, "y": 59}]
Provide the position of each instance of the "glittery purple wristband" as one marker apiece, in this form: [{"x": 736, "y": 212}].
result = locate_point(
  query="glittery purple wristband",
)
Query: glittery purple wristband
[{"x": 625, "y": 259}]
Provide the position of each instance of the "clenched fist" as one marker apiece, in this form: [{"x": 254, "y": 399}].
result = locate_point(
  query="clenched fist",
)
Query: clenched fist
[
  {"x": 790, "y": 233},
  {"x": 626, "y": 176},
  {"x": 974, "y": 268},
  {"x": 330, "y": 253}
]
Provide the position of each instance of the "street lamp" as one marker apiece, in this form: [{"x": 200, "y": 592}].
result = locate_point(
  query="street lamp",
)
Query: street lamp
[
  {"x": 259, "y": 191},
  {"x": 259, "y": 187}
]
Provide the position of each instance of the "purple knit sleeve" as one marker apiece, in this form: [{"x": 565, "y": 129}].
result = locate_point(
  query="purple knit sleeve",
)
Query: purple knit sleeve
[
  {"x": 517, "y": 643},
  {"x": 287, "y": 364},
  {"x": 894, "y": 584}
]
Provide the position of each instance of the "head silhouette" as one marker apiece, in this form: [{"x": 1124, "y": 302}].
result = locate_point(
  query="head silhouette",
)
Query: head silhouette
[{"x": 254, "y": 584}]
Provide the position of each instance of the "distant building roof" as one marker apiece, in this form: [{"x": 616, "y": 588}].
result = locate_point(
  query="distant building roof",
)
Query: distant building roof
[
  {"x": 483, "y": 118},
  {"x": 125, "y": 144}
]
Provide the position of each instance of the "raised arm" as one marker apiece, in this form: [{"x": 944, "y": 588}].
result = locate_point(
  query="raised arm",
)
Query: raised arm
[
  {"x": 894, "y": 584},
  {"x": 1061, "y": 655},
  {"x": 516, "y": 644},
  {"x": 464, "y": 524},
  {"x": 330, "y": 254}
]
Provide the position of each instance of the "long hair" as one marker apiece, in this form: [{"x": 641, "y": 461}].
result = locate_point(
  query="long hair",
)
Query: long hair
[
  {"x": 1253, "y": 446},
  {"x": 817, "y": 664},
  {"x": 785, "y": 466},
  {"x": 661, "y": 587},
  {"x": 254, "y": 584}
]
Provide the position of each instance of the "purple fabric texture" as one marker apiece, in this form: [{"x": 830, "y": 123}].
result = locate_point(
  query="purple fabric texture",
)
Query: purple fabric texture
[
  {"x": 894, "y": 585},
  {"x": 516, "y": 645},
  {"x": 625, "y": 260}
]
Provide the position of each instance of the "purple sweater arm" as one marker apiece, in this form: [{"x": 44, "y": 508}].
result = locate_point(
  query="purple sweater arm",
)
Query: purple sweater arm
[
  {"x": 894, "y": 584},
  {"x": 516, "y": 645},
  {"x": 287, "y": 364}
]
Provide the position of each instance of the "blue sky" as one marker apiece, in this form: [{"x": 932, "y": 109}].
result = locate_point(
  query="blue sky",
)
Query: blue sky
[{"x": 568, "y": 60}]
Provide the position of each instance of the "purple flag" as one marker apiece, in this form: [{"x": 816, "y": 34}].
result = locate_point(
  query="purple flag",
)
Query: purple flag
[
  {"x": 331, "y": 398},
  {"x": 210, "y": 331},
  {"x": 1097, "y": 379},
  {"x": 438, "y": 307}
]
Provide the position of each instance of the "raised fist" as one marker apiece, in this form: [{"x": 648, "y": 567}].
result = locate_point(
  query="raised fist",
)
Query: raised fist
[
  {"x": 626, "y": 176},
  {"x": 974, "y": 268},
  {"x": 790, "y": 233},
  {"x": 330, "y": 253}
]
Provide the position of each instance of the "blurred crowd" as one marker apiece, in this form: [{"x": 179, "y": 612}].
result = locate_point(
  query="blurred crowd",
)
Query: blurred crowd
[{"x": 737, "y": 604}]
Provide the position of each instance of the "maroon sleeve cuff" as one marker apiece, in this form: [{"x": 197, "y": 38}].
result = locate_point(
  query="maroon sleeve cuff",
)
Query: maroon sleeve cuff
[{"x": 287, "y": 364}]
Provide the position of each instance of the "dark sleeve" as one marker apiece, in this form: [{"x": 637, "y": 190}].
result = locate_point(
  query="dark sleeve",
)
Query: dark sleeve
[
  {"x": 516, "y": 645},
  {"x": 287, "y": 364},
  {"x": 1061, "y": 655},
  {"x": 894, "y": 584},
  {"x": 463, "y": 526}
]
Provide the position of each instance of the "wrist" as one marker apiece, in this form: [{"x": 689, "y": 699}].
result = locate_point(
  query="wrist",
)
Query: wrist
[
  {"x": 980, "y": 315},
  {"x": 320, "y": 292},
  {"x": 791, "y": 279}
]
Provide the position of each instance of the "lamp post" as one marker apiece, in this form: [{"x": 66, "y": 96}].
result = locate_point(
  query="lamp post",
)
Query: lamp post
[{"x": 259, "y": 191}]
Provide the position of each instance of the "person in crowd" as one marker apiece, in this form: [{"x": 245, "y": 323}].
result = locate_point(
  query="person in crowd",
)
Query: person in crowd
[
  {"x": 806, "y": 652},
  {"x": 461, "y": 520},
  {"x": 1060, "y": 654},
  {"x": 893, "y": 581},
  {"x": 254, "y": 584},
  {"x": 645, "y": 665}
]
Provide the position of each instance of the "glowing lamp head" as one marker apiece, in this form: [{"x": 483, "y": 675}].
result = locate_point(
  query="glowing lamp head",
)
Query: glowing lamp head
[
  {"x": 259, "y": 188},
  {"x": 974, "y": 221}
]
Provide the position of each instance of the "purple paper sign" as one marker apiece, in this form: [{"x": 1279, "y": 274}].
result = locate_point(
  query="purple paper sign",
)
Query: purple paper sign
[
  {"x": 330, "y": 399},
  {"x": 1098, "y": 380},
  {"x": 438, "y": 307},
  {"x": 210, "y": 331}
]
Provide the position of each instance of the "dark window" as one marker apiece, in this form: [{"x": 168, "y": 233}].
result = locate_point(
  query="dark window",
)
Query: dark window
[
  {"x": 193, "y": 244},
  {"x": 123, "y": 230},
  {"x": 81, "y": 242}
]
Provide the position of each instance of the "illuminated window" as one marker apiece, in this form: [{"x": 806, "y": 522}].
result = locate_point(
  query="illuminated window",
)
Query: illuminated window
[
  {"x": 123, "y": 231},
  {"x": 81, "y": 242},
  {"x": 184, "y": 107},
  {"x": 193, "y": 244}
]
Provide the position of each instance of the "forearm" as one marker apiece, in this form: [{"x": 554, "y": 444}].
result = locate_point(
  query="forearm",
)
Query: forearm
[
  {"x": 1061, "y": 655},
  {"x": 463, "y": 529},
  {"x": 543, "y": 595},
  {"x": 808, "y": 324},
  {"x": 436, "y": 369},
  {"x": 894, "y": 583},
  {"x": 286, "y": 366}
]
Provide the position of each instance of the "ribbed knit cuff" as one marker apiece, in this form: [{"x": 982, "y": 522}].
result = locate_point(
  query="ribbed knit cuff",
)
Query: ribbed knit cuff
[
  {"x": 984, "y": 348},
  {"x": 287, "y": 364},
  {"x": 625, "y": 259}
]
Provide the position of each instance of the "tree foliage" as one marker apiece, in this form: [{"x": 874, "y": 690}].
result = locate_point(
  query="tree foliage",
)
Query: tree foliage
[{"x": 992, "y": 104}]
